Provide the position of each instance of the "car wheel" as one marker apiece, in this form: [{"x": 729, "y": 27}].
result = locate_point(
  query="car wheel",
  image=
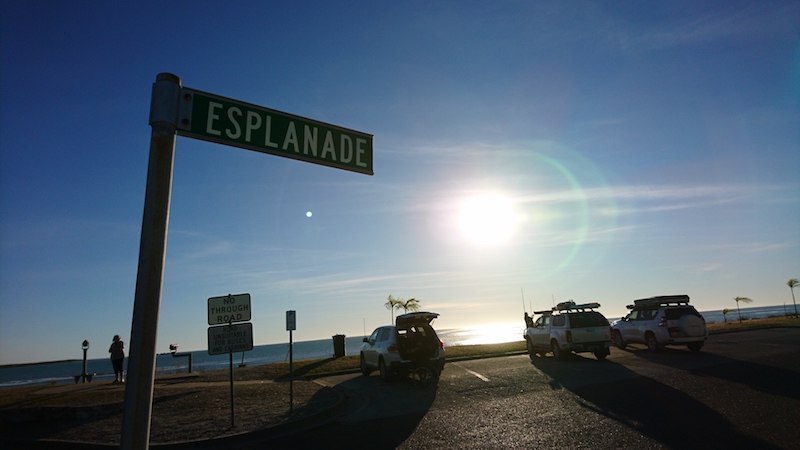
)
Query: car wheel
[
  {"x": 557, "y": 353},
  {"x": 423, "y": 377},
  {"x": 652, "y": 343},
  {"x": 618, "y": 341},
  {"x": 531, "y": 350},
  {"x": 385, "y": 374},
  {"x": 695, "y": 346},
  {"x": 364, "y": 368}
]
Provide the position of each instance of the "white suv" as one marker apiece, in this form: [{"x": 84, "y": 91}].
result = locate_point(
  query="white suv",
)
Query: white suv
[
  {"x": 410, "y": 344},
  {"x": 569, "y": 328},
  {"x": 660, "y": 321}
]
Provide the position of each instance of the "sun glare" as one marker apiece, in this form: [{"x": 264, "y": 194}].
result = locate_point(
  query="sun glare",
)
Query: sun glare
[{"x": 487, "y": 219}]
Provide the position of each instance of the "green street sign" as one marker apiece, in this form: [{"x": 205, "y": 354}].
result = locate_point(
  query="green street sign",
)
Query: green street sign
[{"x": 230, "y": 122}]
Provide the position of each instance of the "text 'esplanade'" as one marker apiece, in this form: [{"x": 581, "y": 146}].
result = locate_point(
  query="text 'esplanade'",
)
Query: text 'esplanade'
[{"x": 219, "y": 119}]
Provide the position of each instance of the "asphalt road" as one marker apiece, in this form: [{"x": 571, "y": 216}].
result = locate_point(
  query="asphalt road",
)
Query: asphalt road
[{"x": 741, "y": 391}]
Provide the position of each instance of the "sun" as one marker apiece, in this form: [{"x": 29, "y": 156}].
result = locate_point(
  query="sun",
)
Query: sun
[{"x": 487, "y": 219}]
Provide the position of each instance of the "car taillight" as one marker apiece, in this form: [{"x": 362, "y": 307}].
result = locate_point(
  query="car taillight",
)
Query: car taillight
[
  {"x": 392, "y": 349},
  {"x": 441, "y": 344},
  {"x": 569, "y": 335},
  {"x": 663, "y": 322}
]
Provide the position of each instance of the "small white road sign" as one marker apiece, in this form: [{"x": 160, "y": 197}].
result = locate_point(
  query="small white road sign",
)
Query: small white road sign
[
  {"x": 229, "y": 309},
  {"x": 230, "y": 338}
]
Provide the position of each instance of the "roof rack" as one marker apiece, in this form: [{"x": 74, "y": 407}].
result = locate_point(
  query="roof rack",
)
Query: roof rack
[
  {"x": 564, "y": 306},
  {"x": 567, "y": 306},
  {"x": 662, "y": 300}
]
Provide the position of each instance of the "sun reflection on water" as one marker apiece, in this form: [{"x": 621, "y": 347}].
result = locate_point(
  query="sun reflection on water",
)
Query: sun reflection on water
[{"x": 496, "y": 333}]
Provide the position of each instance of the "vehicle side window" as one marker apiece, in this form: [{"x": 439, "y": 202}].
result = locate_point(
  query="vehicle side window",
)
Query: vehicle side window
[
  {"x": 374, "y": 336},
  {"x": 633, "y": 315},
  {"x": 547, "y": 321},
  {"x": 559, "y": 321},
  {"x": 383, "y": 335},
  {"x": 539, "y": 322},
  {"x": 587, "y": 319},
  {"x": 647, "y": 314}
]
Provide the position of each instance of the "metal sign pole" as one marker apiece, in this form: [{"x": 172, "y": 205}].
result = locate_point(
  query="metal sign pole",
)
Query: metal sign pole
[
  {"x": 233, "y": 417},
  {"x": 137, "y": 411}
]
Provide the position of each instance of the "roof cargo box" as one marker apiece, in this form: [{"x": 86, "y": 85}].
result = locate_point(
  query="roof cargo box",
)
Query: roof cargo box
[{"x": 655, "y": 302}]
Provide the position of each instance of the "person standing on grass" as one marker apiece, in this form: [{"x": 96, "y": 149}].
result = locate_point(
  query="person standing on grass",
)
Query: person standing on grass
[{"x": 117, "y": 351}]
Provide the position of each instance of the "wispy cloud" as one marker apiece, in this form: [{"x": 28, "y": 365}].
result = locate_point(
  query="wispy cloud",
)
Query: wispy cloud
[{"x": 747, "y": 22}]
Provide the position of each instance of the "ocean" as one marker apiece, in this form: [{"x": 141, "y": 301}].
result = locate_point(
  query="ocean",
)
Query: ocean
[{"x": 64, "y": 371}]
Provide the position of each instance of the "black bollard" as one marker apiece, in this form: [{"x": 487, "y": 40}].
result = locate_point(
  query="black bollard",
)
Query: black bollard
[{"x": 84, "y": 375}]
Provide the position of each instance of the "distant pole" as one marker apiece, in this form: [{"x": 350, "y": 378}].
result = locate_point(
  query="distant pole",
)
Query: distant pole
[
  {"x": 138, "y": 407},
  {"x": 291, "y": 375},
  {"x": 523, "y": 299}
]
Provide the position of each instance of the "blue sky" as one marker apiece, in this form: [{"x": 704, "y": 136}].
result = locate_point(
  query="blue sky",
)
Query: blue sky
[{"x": 619, "y": 150}]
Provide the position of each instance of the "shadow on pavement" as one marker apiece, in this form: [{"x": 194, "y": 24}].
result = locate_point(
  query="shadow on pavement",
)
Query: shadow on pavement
[
  {"x": 656, "y": 410},
  {"x": 375, "y": 415},
  {"x": 763, "y": 378}
]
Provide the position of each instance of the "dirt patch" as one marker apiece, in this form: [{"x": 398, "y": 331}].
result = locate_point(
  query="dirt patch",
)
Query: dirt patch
[{"x": 181, "y": 411}]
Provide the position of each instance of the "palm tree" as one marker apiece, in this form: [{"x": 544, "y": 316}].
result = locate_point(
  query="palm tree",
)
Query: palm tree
[
  {"x": 741, "y": 299},
  {"x": 411, "y": 304},
  {"x": 725, "y": 314},
  {"x": 392, "y": 304},
  {"x": 792, "y": 283}
]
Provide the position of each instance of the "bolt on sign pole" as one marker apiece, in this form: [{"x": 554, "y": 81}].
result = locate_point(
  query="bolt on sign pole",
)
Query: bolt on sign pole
[{"x": 164, "y": 105}]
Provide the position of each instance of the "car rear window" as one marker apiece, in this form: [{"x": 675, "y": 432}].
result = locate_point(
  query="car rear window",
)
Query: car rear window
[
  {"x": 587, "y": 319},
  {"x": 677, "y": 313}
]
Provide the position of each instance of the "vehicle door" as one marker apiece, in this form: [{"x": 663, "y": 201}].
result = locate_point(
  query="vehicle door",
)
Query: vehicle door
[
  {"x": 628, "y": 327},
  {"x": 645, "y": 322},
  {"x": 541, "y": 331},
  {"x": 370, "y": 348}
]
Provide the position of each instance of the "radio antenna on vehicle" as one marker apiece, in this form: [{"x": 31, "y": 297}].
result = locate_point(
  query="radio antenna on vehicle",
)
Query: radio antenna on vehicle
[{"x": 523, "y": 300}]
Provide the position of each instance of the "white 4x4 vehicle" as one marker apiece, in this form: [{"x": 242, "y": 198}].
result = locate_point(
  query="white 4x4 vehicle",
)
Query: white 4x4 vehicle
[
  {"x": 569, "y": 328},
  {"x": 660, "y": 321},
  {"x": 404, "y": 348}
]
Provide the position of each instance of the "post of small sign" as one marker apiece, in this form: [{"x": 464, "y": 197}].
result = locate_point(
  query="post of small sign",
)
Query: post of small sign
[
  {"x": 291, "y": 325},
  {"x": 175, "y": 110},
  {"x": 230, "y": 338},
  {"x": 230, "y": 371}
]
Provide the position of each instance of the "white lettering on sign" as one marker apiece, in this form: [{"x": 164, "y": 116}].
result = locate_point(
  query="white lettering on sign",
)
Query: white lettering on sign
[
  {"x": 237, "y": 129},
  {"x": 267, "y": 138},
  {"x": 346, "y": 149},
  {"x": 253, "y": 121},
  {"x": 212, "y": 116},
  {"x": 226, "y": 121}
]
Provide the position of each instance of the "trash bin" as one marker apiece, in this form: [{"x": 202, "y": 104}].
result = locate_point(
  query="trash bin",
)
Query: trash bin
[{"x": 338, "y": 346}]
